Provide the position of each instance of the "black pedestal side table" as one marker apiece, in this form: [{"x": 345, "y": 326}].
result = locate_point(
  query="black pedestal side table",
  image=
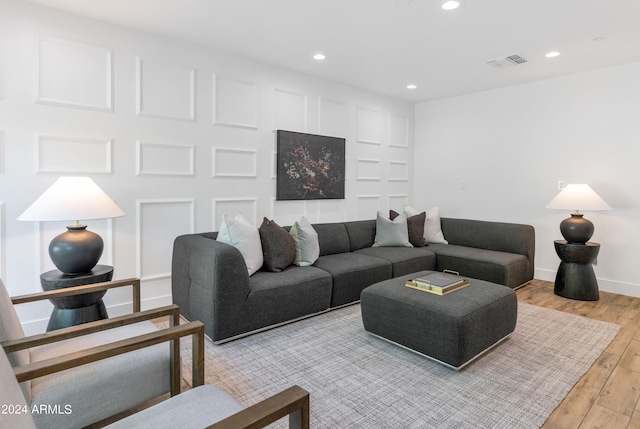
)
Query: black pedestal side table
[
  {"x": 77, "y": 309},
  {"x": 575, "y": 278}
]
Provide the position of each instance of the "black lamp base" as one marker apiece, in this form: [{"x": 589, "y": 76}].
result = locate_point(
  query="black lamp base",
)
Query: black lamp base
[
  {"x": 76, "y": 251},
  {"x": 576, "y": 229}
]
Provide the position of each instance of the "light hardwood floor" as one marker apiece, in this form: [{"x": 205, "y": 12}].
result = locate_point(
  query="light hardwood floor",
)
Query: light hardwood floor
[{"x": 608, "y": 395}]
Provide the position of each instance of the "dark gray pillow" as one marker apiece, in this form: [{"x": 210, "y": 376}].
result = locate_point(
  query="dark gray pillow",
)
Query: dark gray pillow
[
  {"x": 415, "y": 226},
  {"x": 278, "y": 247}
]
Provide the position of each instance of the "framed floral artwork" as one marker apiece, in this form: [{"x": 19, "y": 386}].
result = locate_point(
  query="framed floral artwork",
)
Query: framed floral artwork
[{"x": 309, "y": 166}]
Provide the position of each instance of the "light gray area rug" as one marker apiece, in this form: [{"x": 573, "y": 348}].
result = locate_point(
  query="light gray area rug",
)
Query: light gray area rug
[{"x": 359, "y": 381}]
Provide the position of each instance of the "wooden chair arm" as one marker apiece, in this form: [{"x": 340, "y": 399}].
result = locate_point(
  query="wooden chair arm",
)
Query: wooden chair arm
[
  {"x": 173, "y": 311},
  {"x": 293, "y": 402},
  {"x": 79, "y": 290},
  {"x": 94, "y": 354}
]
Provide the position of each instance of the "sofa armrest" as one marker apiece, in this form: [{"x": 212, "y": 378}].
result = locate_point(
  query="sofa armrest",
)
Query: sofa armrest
[
  {"x": 293, "y": 402},
  {"x": 209, "y": 280},
  {"x": 498, "y": 236}
]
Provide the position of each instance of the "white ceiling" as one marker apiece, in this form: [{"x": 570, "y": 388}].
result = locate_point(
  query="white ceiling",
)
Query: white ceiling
[{"x": 383, "y": 45}]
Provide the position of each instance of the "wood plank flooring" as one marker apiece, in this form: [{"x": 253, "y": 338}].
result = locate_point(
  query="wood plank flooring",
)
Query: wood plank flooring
[{"x": 608, "y": 395}]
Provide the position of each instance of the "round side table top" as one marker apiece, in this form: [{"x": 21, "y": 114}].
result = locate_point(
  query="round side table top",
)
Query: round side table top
[
  {"x": 577, "y": 253},
  {"x": 55, "y": 279}
]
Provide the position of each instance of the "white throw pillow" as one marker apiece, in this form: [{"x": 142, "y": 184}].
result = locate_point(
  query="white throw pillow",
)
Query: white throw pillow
[
  {"x": 307, "y": 244},
  {"x": 391, "y": 232},
  {"x": 432, "y": 229},
  {"x": 239, "y": 233}
]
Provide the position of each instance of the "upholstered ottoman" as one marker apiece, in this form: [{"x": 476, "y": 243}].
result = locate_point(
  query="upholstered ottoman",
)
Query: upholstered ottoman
[{"x": 453, "y": 329}]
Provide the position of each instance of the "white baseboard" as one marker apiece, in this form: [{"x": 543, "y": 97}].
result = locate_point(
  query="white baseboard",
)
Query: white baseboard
[{"x": 605, "y": 285}]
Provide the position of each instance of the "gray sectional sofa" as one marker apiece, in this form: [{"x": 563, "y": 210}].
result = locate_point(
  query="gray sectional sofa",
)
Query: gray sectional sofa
[{"x": 210, "y": 282}]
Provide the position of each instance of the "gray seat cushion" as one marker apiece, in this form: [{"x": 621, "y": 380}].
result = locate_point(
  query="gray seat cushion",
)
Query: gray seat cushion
[
  {"x": 11, "y": 396},
  {"x": 273, "y": 298},
  {"x": 11, "y": 329},
  {"x": 290, "y": 294},
  {"x": 509, "y": 269},
  {"x": 404, "y": 260},
  {"x": 194, "y": 409},
  {"x": 351, "y": 273},
  {"x": 101, "y": 389}
]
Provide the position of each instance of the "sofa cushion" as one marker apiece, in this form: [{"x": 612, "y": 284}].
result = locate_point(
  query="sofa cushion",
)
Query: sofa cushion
[
  {"x": 278, "y": 297},
  {"x": 239, "y": 233},
  {"x": 391, "y": 232},
  {"x": 509, "y": 269},
  {"x": 306, "y": 243},
  {"x": 415, "y": 227},
  {"x": 404, "y": 260},
  {"x": 278, "y": 247},
  {"x": 361, "y": 233},
  {"x": 351, "y": 273},
  {"x": 432, "y": 229},
  {"x": 333, "y": 238}
]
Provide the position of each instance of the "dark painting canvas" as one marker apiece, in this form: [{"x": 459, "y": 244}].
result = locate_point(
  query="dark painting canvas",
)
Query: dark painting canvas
[{"x": 310, "y": 166}]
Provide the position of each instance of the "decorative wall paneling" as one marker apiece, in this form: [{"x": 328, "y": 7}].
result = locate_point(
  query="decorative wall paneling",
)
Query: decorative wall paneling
[
  {"x": 398, "y": 171},
  {"x": 369, "y": 126},
  {"x": 397, "y": 201},
  {"x": 235, "y": 103},
  {"x": 333, "y": 118},
  {"x": 367, "y": 206},
  {"x": 3, "y": 241},
  {"x": 74, "y": 154},
  {"x": 228, "y": 162},
  {"x": 232, "y": 206},
  {"x": 165, "y": 90},
  {"x": 398, "y": 131},
  {"x": 72, "y": 73},
  {"x": 165, "y": 159},
  {"x": 290, "y": 111},
  {"x": 1, "y": 62},
  {"x": 1, "y": 151},
  {"x": 287, "y": 212},
  {"x": 159, "y": 222},
  {"x": 368, "y": 169}
]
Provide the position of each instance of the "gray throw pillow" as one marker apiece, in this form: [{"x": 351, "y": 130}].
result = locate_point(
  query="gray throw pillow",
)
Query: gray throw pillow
[
  {"x": 392, "y": 233},
  {"x": 305, "y": 238},
  {"x": 278, "y": 247},
  {"x": 415, "y": 226}
]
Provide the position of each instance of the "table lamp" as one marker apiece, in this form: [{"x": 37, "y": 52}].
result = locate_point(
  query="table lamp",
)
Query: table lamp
[
  {"x": 77, "y": 250},
  {"x": 577, "y": 229}
]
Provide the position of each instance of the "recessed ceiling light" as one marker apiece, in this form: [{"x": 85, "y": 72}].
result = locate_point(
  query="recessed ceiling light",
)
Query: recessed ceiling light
[
  {"x": 599, "y": 39},
  {"x": 552, "y": 54},
  {"x": 451, "y": 4},
  {"x": 319, "y": 57},
  {"x": 412, "y": 86}
]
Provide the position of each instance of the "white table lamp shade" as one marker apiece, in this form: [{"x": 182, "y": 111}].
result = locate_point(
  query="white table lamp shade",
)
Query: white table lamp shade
[
  {"x": 72, "y": 198},
  {"x": 578, "y": 197}
]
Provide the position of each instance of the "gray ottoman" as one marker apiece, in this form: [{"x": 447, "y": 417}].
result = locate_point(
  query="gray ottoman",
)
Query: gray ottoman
[{"x": 453, "y": 329}]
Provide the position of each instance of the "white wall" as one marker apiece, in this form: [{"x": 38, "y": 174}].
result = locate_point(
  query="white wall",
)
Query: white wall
[
  {"x": 509, "y": 147},
  {"x": 176, "y": 134}
]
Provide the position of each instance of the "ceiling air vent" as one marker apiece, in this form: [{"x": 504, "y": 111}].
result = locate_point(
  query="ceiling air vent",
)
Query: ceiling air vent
[{"x": 508, "y": 61}]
